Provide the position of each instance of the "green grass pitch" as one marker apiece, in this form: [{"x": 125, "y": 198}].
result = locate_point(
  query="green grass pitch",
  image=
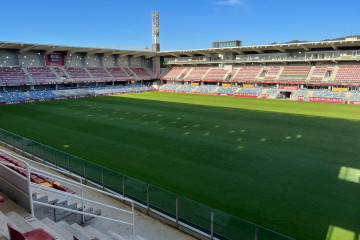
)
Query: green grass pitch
[{"x": 289, "y": 166}]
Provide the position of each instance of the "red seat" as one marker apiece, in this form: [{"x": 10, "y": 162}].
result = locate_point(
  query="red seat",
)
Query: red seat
[{"x": 37, "y": 234}]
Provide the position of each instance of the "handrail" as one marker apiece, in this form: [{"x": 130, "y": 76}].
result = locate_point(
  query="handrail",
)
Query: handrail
[
  {"x": 28, "y": 180},
  {"x": 85, "y": 213},
  {"x": 47, "y": 165},
  {"x": 69, "y": 181},
  {"x": 76, "y": 197},
  {"x": 48, "y": 189}
]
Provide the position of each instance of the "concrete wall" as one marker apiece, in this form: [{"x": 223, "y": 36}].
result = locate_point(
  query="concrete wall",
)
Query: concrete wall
[
  {"x": 123, "y": 61},
  {"x": 137, "y": 62},
  {"x": 75, "y": 60},
  {"x": 8, "y": 58},
  {"x": 148, "y": 62},
  {"x": 14, "y": 186},
  {"x": 109, "y": 61},
  {"x": 94, "y": 60},
  {"x": 32, "y": 59}
]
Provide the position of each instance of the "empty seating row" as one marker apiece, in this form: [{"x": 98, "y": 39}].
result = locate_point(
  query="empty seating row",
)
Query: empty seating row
[
  {"x": 206, "y": 89},
  {"x": 318, "y": 73},
  {"x": 14, "y": 76},
  {"x": 295, "y": 73},
  {"x": 173, "y": 73},
  {"x": 348, "y": 74},
  {"x": 17, "y": 76},
  {"x": 216, "y": 74},
  {"x": 42, "y": 75},
  {"x": 36, "y": 178},
  {"x": 328, "y": 94},
  {"x": 197, "y": 73},
  {"x": 272, "y": 73}
]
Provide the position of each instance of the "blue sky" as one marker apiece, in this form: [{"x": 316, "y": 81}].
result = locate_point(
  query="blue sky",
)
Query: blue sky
[{"x": 185, "y": 24}]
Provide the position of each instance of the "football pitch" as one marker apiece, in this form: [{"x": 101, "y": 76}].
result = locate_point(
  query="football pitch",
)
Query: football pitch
[{"x": 293, "y": 167}]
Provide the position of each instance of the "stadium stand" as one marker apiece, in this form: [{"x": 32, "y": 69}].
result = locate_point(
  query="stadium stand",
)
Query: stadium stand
[
  {"x": 78, "y": 74},
  {"x": 186, "y": 88},
  {"x": 272, "y": 73},
  {"x": 354, "y": 97},
  {"x": 60, "y": 72},
  {"x": 170, "y": 86},
  {"x": 13, "y": 96},
  {"x": 173, "y": 73},
  {"x": 197, "y": 73},
  {"x": 36, "y": 234},
  {"x": 272, "y": 92},
  {"x": 14, "y": 76},
  {"x": 318, "y": 73},
  {"x": 42, "y": 95},
  {"x": 118, "y": 73},
  {"x": 216, "y": 74},
  {"x": 247, "y": 73},
  {"x": 249, "y": 92},
  {"x": 205, "y": 89},
  {"x": 295, "y": 73},
  {"x": 99, "y": 74},
  {"x": 141, "y": 73},
  {"x": 328, "y": 94},
  {"x": 36, "y": 178},
  {"x": 227, "y": 90},
  {"x": 129, "y": 72},
  {"x": 42, "y": 75},
  {"x": 300, "y": 93},
  {"x": 347, "y": 74}
]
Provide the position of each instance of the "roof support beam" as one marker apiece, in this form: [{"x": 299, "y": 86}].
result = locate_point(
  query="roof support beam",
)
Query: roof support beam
[
  {"x": 304, "y": 47},
  {"x": 26, "y": 49},
  {"x": 3, "y": 45},
  {"x": 333, "y": 46},
  {"x": 237, "y": 51},
  {"x": 150, "y": 55},
  {"x": 258, "y": 50},
  {"x": 138, "y": 55},
  {"x": 280, "y": 49},
  {"x": 205, "y": 53},
  {"x": 74, "y": 50}
]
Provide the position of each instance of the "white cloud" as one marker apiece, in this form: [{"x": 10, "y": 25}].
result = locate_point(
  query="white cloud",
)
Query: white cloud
[{"x": 232, "y": 3}]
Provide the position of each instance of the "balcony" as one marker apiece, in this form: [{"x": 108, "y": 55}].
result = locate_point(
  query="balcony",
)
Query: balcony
[{"x": 330, "y": 56}]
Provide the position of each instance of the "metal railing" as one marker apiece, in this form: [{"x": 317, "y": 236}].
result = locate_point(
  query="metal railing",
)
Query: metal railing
[
  {"x": 209, "y": 222},
  {"x": 80, "y": 198}
]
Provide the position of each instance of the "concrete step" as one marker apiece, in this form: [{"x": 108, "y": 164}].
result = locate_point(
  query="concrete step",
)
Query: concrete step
[
  {"x": 97, "y": 233},
  {"x": 2, "y": 237},
  {"x": 36, "y": 223},
  {"x": 3, "y": 226},
  {"x": 72, "y": 230},
  {"x": 19, "y": 221},
  {"x": 57, "y": 229},
  {"x": 116, "y": 236},
  {"x": 81, "y": 230}
]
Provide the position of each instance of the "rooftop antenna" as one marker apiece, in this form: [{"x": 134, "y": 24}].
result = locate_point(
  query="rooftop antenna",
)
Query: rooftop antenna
[{"x": 155, "y": 32}]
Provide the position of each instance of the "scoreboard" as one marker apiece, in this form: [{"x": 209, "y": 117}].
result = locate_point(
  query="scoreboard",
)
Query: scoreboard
[{"x": 54, "y": 58}]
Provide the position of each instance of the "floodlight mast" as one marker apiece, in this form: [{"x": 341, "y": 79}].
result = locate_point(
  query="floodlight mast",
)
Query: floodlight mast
[{"x": 155, "y": 32}]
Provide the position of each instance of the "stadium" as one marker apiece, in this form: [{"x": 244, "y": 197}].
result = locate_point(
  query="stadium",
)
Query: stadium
[{"x": 230, "y": 142}]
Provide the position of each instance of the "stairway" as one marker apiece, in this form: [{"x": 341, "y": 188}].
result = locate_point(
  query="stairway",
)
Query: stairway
[
  {"x": 56, "y": 215},
  {"x": 60, "y": 230}
]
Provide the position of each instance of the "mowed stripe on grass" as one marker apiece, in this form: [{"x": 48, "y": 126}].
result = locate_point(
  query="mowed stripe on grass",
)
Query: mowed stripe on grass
[{"x": 247, "y": 157}]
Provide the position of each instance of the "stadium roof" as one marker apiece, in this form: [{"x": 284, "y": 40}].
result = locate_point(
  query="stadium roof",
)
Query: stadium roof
[
  {"x": 25, "y": 47},
  {"x": 305, "y": 46}
]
